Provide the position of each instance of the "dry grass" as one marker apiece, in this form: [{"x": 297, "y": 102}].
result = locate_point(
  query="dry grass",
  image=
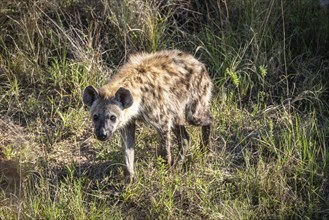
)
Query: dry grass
[{"x": 268, "y": 59}]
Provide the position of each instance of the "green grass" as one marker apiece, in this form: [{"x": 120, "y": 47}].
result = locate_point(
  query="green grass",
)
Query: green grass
[{"x": 268, "y": 59}]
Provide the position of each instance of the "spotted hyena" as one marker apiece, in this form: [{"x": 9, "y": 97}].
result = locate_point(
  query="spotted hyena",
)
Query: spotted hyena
[{"x": 165, "y": 89}]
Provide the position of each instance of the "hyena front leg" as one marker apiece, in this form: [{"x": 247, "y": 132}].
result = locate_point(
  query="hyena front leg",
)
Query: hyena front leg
[
  {"x": 183, "y": 139},
  {"x": 128, "y": 145}
]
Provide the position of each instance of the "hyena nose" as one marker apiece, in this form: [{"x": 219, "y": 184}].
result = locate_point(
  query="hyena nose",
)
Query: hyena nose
[{"x": 102, "y": 135}]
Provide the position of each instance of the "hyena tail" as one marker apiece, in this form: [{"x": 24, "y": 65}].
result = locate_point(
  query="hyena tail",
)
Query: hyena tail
[{"x": 199, "y": 115}]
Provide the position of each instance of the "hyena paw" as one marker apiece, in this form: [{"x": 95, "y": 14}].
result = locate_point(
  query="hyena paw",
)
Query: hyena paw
[{"x": 129, "y": 179}]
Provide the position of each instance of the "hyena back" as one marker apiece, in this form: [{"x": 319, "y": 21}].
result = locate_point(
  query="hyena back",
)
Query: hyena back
[{"x": 166, "y": 89}]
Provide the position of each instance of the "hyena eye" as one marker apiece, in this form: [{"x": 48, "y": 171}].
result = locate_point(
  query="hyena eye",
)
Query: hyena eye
[
  {"x": 113, "y": 118},
  {"x": 95, "y": 117}
]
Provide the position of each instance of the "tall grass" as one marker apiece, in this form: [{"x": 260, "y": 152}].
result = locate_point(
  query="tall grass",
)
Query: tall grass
[{"x": 268, "y": 60}]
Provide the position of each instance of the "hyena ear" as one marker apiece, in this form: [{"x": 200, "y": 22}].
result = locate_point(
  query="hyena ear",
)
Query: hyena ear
[
  {"x": 90, "y": 94},
  {"x": 124, "y": 97}
]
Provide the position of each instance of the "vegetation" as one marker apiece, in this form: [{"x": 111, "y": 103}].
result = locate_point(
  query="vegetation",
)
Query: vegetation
[{"x": 269, "y": 60}]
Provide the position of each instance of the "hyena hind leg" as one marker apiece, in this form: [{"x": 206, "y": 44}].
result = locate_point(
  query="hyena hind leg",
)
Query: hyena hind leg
[
  {"x": 183, "y": 139},
  {"x": 165, "y": 144},
  {"x": 206, "y": 137},
  {"x": 206, "y": 132}
]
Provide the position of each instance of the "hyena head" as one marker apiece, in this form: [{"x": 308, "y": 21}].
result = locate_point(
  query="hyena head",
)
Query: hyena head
[{"x": 107, "y": 114}]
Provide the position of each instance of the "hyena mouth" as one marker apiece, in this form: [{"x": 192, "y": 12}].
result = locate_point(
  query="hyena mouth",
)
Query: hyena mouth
[
  {"x": 102, "y": 139},
  {"x": 103, "y": 136}
]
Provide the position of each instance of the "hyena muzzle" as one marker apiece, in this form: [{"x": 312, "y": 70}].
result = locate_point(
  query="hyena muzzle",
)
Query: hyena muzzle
[{"x": 167, "y": 90}]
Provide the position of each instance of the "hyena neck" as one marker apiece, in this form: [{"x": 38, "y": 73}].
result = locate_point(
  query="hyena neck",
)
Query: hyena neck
[{"x": 130, "y": 114}]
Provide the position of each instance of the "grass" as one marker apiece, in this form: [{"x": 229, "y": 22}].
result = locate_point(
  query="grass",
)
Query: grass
[{"x": 268, "y": 60}]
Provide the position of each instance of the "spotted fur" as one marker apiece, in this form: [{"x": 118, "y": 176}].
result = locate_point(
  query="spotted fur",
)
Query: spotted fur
[{"x": 166, "y": 89}]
